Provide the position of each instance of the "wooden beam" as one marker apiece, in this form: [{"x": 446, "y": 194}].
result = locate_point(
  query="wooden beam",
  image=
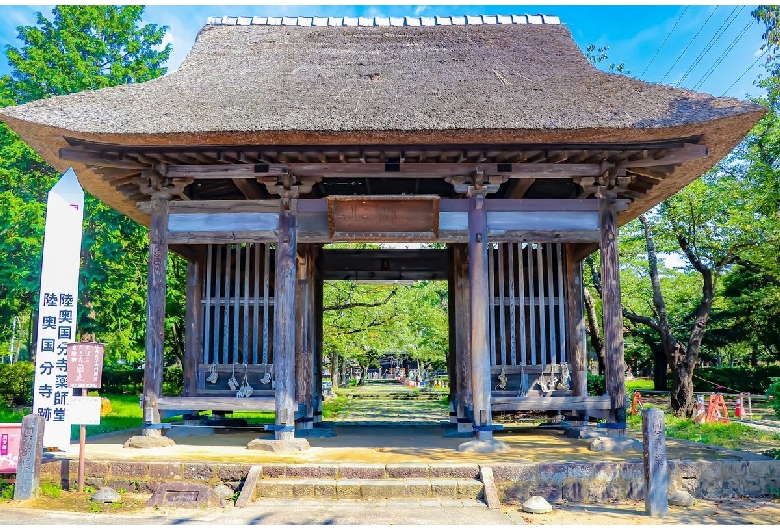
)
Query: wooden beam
[
  {"x": 250, "y": 190},
  {"x": 155, "y": 315},
  {"x": 479, "y": 302},
  {"x": 284, "y": 323},
  {"x": 388, "y": 170},
  {"x": 672, "y": 157},
  {"x": 518, "y": 188},
  {"x": 220, "y": 403},
  {"x": 612, "y": 314},
  {"x": 318, "y": 334},
  {"x": 550, "y": 403},
  {"x": 576, "y": 325},
  {"x": 75, "y": 154}
]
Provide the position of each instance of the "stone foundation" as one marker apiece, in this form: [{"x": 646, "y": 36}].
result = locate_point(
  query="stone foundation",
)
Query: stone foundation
[{"x": 557, "y": 482}]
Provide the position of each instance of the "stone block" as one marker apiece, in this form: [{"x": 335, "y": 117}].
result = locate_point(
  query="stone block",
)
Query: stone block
[
  {"x": 515, "y": 472},
  {"x": 606, "y": 471},
  {"x": 125, "y": 485},
  {"x": 325, "y": 488},
  {"x": 471, "y": 489},
  {"x": 279, "y": 446},
  {"x": 631, "y": 470},
  {"x": 552, "y": 473},
  {"x": 513, "y": 493},
  {"x": 574, "y": 492},
  {"x": 711, "y": 489},
  {"x": 444, "y": 487},
  {"x": 383, "y": 489},
  {"x": 711, "y": 470},
  {"x": 312, "y": 470},
  {"x": 52, "y": 468},
  {"x": 685, "y": 469},
  {"x": 249, "y": 489},
  {"x": 96, "y": 469},
  {"x": 580, "y": 470},
  {"x": 165, "y": 471},
  {"x": 348, "y": 489},
  {"x": 275, "y": 488},
  {"x": 196, "y": 471},
  {"x": 734, "y": 469},
  {"x": 232, "y": 472},
  {"x": 732, "y": 488},
  {"x": 636, "y": 490},
  {"x": 184, "y": 495},
  {"x": 127, "y": 470},
  {"x": 551, "y": 492},
  {"x": 753, "y": 487},
  {"x": 418, "y": 487},
  {"x": 274, "y": 470},
  {"x": 407, "y": 470},
  {"x": 363, "y": 471},
  {"x": 304, "y": 487},
  {"x": 95, "y": 482},
  {"x": 454, "y": 470}
]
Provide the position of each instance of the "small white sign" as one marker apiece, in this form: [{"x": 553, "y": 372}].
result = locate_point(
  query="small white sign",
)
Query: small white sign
[{"x": 84, "y": 410}]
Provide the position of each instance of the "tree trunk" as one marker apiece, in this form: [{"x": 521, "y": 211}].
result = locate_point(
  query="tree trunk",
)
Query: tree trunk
[
  {"x": 683, "y": 401},
  {"x": 334, "y": 369},
  {"x": 660, "y": 365},
  {"x": 594, "y": 329}
]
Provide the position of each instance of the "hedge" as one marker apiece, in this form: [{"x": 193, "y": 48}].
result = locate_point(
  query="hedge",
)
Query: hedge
[
  {"x": 16, "y": 382},
  {"x": 733, "y": 380}
]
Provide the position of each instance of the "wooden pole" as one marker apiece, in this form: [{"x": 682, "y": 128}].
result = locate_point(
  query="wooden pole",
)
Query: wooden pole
[
  {"x": 194, "y": 330},
  {"x": 304, "y": 355},
  {"x": 452, "y": 370},
  {"x": 82, "y": 448},
  {"x": 479, "y": 298},
  {"x": 155, "y": 314},
  {"x": 284, "y": 321},
  {"x": 612, "y": 314},
  {"x": 462, "y": 338},
  {"x": 576, "y": 325},
  {"x": 317, "y": 317}
]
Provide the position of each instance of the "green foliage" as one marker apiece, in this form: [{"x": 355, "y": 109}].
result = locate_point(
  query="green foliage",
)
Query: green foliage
[
  {"x": 773, "y": 393},
  {"x": 6, "y": 490},
  {"x": 79, "y": 48},
  {"x": 333, "y": 407},
  {"x": 596, "y": 385},
  {"x": 17, "y": 383},
  {"x": 51, "y": 489},
  {"x": 600, "y": 54},
  {"x": 753, "y": 379}
]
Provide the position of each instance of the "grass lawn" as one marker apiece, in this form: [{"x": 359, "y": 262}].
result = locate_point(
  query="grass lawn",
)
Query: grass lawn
[{"x": 638, "y": 384}]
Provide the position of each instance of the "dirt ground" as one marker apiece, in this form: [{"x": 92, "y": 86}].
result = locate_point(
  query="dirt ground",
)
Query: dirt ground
[{"x": 763, "y": 511}]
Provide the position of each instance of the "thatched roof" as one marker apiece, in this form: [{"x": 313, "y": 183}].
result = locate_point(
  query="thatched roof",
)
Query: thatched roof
[{"x": 252, "y": 82}]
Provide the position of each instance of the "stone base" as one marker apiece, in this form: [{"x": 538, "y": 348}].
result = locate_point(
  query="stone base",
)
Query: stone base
[
  {"x": 454, "y": 433},
  {"x": 483, "y": 446},
  {"x": 183, "y": 431},
  {"x": 615, "y": 445},
  {"x": 580, "y": 433},
  {"x": 279, "y": 446},
  {"x": 315, "y": 432},
  {"x": 537, "y": 504},
  {"x": 148, "y": 442},
  {"x": 681, "y": 498}
]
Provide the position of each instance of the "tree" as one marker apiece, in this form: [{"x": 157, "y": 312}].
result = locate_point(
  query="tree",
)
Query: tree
[{"x": 81, "y": 48}]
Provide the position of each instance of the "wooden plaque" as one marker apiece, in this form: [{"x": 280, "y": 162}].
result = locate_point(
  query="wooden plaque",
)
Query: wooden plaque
[
  {"x": 85, "y": 364},
  {"x": 384, "y": 218}
]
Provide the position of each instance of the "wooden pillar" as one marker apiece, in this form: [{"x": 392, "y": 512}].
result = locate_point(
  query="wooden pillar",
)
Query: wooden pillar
[
  {"x": 155, "y": 313},
  {"x": 304, "y": 336},
  {"x": 576, "y": 325},
  {"x": 284, "y": 321},
  {"x": 462, "y": 382},
  {"x": 612, "y": 314},
  {"x": 452, "y": 325},
  {"x": 479, "y": 297},
  {"x": 317, "y": 317},
  {"x": 193, "y": 339}
]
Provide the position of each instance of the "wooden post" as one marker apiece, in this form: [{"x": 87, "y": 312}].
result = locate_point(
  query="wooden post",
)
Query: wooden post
[
  {"x": 317, "y": 318},
  {"x": 28, "y": 469},
  {"x": 452, "y": 324},
  {"x": 304, "y": 355},
  {"x": 155, "y": 313},
  {"x": 654, "y": 452},
  {"x": 612, "y": 314},
  {"x": 576, "y": 325},
  {"x": 479, "y": 297},
  {"x": 462, "y": 338},
  {"x": 194, "y": 331},
  {"x": 284, "y": 321}
]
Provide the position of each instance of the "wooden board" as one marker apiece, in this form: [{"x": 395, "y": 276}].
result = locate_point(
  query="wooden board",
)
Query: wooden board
[{"x": 385, "y": 218}]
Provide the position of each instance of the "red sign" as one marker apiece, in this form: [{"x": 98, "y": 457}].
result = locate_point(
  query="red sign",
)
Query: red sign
[
  {"x": 85, "y": 364},
  {"x": 9, "y": 446}
]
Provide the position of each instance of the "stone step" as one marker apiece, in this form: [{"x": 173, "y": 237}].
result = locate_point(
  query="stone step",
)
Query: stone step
[{"x": 385, "y": 488}]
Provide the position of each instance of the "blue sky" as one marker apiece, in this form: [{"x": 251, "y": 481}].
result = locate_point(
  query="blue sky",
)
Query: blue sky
[{"x": 713, "y": 45}]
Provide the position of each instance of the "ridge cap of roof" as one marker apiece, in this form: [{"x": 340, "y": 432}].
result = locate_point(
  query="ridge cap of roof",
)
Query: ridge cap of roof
[{"x": 462, "y": 20}]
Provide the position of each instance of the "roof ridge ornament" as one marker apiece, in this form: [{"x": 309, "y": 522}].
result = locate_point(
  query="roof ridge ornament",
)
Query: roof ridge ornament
[{"x": 346, "y": 21}]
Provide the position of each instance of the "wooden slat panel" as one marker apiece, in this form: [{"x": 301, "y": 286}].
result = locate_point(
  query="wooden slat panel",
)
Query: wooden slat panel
[
  {"x": 532, "y": 304},
  {"x": 256, "y": 302},
  {"x": 551, "y": 304},
  {"x": 491, "y": 306},
  {"x": 226, "y": 306},
  {"x": 217, "y": 303},
  {"x": 540, "y": 294},
  {"x": 207, "y": 307},
  {"x": 521, "y": 293},
  {"x": 561, "y": 306},
  {"x": 512, "y": 334}
]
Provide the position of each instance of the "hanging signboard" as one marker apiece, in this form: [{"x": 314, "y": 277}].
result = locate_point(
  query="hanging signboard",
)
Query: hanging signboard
[
  {"x": 57, "y": 307},
  {"x": 84, "y": 410},
  {"x": 85, "y": 364},
  {"x": 384, "y": 218}
]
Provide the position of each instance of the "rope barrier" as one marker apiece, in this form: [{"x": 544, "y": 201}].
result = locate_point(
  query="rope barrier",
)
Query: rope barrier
[{"x": 717, "y": 386}]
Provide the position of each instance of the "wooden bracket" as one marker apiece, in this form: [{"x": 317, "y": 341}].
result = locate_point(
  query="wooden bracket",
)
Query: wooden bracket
[{"x": 159, "y": 187}]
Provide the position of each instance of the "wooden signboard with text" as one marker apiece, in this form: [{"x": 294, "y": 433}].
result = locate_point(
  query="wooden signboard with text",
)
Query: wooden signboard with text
[
  {"x": 384, "y": 218},
  {"x": 85, "y": 364}
]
